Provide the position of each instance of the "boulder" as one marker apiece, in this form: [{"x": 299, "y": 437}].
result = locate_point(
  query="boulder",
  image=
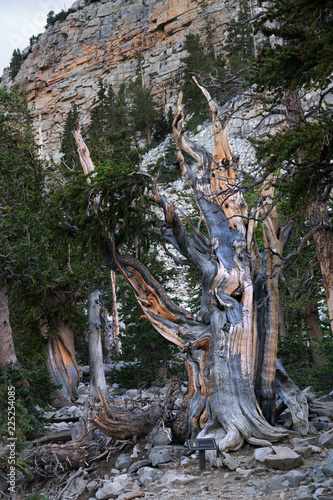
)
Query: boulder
[
  {"x": 138, "y": 465},
  {"x": 278, "y": 457}
]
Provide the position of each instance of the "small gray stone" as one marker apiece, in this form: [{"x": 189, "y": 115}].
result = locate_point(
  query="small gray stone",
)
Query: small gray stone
[
  {"x": 294, "y": 477},
  {"x": 92, "y": 485},
  {"x": 146, "y": 475},
  {"x": 179, "y": 451},
  {"x": 123, "y": 479},
  {"x": 162, "y": 437},
  {"x": 326, "y": 440},
  {"x": 304, "y": 451},
  {"x": 321, "y": 426},
  {"x": 317, "y": 475},
  {"x": 123, "y": 461},
  {"x": 328, "y": 470},
  {"x": 276, "y": 484},
  {"x": 229, "y": 461},
  {"x": 137, "y": 465},
  {"x": 159, "y": 456},
  {"x": 330, "y": 459},
  {"x": 171, "y": 477},
  {"x": 110, "y": 490},
  {"x": 249, "y": 490}
]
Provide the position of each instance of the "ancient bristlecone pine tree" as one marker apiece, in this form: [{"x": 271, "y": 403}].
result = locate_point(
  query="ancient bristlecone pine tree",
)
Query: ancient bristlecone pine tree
[{"x": 231, "y": 344}]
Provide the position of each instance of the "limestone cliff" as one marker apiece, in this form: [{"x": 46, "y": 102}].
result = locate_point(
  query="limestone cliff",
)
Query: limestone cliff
[{"x": 102, "y": 39}]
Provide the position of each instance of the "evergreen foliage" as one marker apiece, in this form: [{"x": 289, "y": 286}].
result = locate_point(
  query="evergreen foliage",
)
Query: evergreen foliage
[
  {"x": 296, "y": 59},
  {"x": 147, "y": 355},
  {"x": 68, "y": 146},
  {"x": 52, "y": 18},
  {"x": 240, "y": 44},
  {"x": 33, "y": 388},
  {"x": 202, "y": 63},
  {"x": 143, "y": 111},
  {"x": 15, "y": 63},
  {"x": 108, "y": 133},
  {"x": 302, "y": 54}
]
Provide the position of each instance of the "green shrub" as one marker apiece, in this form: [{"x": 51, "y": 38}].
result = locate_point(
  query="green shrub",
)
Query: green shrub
[{"x": 52, "y": 18}]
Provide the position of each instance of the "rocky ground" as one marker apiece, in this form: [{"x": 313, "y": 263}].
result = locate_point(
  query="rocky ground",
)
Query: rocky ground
[{"x": 157, "y": 468}]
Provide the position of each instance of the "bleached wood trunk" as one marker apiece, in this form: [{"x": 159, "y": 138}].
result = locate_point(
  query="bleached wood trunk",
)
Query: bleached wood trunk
[
  {"x": 7, "y": 348},
  {"x": 97, "y": 376},
  {"x": 115, "y": 315}
]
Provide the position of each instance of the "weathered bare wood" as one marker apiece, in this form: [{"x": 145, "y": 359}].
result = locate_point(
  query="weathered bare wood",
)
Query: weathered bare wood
[
  {"x": 115, "y": 327},
  {"x": 180, "y": 428},
  {"x": 53, "y": 436},
  {"x": 294, "y": 398},
  {"x": 51, "y": 460},
  {"x": 322, "y": 408},
  {"x": 269, "y": 306},
  {"x": 224, "y": 406},
  {"x": 97, "y": 376},
  {"x": 120, "y": 423}
]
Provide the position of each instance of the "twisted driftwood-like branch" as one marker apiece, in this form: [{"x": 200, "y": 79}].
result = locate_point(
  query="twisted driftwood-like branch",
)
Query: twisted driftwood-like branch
[{"x": 125, "y": 423}]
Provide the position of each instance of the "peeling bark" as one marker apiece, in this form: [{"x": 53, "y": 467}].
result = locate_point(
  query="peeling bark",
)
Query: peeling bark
[
  {"x": 62, "y": 366},
  {"x": 312, "y": 322},
  {"x": 323, "y": 239},
  {"x": 268, "y": 323}
]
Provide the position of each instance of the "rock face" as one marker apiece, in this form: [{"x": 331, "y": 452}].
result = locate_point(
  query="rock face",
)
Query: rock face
[{"x": 103, "y": 40}]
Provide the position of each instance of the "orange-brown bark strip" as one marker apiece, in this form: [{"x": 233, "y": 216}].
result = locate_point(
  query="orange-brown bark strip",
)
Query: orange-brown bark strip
[{"x": 323, "y": 239}]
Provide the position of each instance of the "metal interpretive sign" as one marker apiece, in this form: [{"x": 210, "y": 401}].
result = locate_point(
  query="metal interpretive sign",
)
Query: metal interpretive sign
[{"x": 201, "y": 445}]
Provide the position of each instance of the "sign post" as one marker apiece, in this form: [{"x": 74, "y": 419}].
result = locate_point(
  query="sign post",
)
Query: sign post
[{"x": 201, "y": 445}]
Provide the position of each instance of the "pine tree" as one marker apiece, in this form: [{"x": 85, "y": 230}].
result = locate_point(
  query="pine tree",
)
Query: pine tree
[
  {"x": 299, "y": 60},
  {"x": 143, "y": 111},
  {"x": 68, "y": 147},
  {"x": 15, "y": 63},
  {"x": 202, "y": 63}
]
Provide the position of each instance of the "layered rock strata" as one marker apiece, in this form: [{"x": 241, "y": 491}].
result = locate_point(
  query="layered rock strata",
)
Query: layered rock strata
[{"x": 103, "y": 40}]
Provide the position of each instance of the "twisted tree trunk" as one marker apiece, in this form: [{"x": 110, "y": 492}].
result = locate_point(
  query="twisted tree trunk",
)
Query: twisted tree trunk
[{"x": 225, "y": 356}]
